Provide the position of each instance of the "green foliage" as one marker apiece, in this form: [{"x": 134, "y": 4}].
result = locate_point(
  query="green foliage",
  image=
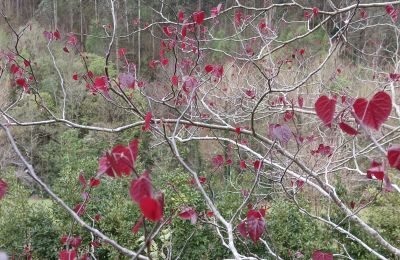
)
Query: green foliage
[
  {"x": 291, "y": 231},
  {"x": 29, "y": 222},
  {"x": 97, "y": 63}
]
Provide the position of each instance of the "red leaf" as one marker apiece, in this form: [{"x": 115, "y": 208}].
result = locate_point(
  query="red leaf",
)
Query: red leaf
[
  {"x": 57, "y": 35},
  {"x": 208, "y": 68},
  {"x": 319, "y": 255},
  {"x": 27, "y": 63},
  {"x": 67, "y": 255},
  {"x": 175, "y": 80},
  {"x": 237, "y": 130},
  {"x": 90, "y": 74},
  {"x": 376, "y": 171},
  {"x": 218, "y": 160},
  {"x": 75, "y": 242},
  {"x": 375, "y": 112},
  {"x": 257, "y": 165},
  {"x": 151, "y": 208},
  {"x": 65, "y": 49},
  {"x": 141, "y": 187},
  {"x": 181, "y": 16},
  {"x": 348, "y": 129},
  {"x": 198, "y": 17},
  {"x": 301, "y": 52},
  {"x": 300, "y": 101},
  {"x": 243, "y": 164},
  {"x": 184, "y": 31},
  {"x": 315, "y": 11},
  {"x": 167, "y": 31},
  {"x": 325, "y": 108},
  {"x": 137, "y": 226},
  {"x": 238, "y": 18},
  {"x": 189, "y": 213},
  {"x": 79, "y": 209},
  {"x": 97, "y": 217},
  {"x": 393, "y": 156},
  {"x": 14, "y": 68},
  {"x": 147, "y": 121},
  {"x": 94, "y": 182},
  {"x": 255, "y": 226},
  {"x": 242, "y": 228},
  {"x": 3, "y": 188},
  {"x": 82, "y": 180},
  {"x": 21, "y": 82},
  {"x": 122, "y": 52},
  {"x": 210, "y": 214}
]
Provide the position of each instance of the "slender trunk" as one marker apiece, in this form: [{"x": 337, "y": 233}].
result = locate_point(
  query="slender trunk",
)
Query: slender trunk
[
  {"x": 139, "y": 61},
  {"x": 126, "y": 19},
  {"x": 55, "y": 14},
  {"x": 80, "y": 7}
]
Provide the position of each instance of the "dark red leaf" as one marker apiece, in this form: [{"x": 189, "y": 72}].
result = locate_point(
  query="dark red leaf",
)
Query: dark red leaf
[
  {"x": 14, "y": 68},
  {"x": 79, "y": 209},
  {"x": 319, "y": 255},
  {"x": 300, "y": 101},
  {"x": 325, "y": 108},
  {"x": 75, "y": 242},
  {"x": 257, "y": 165},
  {"x": 375, "y": 112},
  {"x": 94, "y": 182},
  {"x": 376, "y": 171},
  {"x": 97, "y": 217},
  {"x": 57, "y": 35},
  {"x": 67, "y": 255},
  {"x": 147, "y": 121},
  {"x": 21, "y": 82},
  {"x": 3, "y": 188},
  {"x": 188, "y": 213},
  {"x": 208, "y": 68},
  {"x": 137, "y": 226},
  {"x": 82, "y": 180},
  {"x": 27, "y": 63},
  {"x": 65, "y": 49},
  {"x": 393, "y": 156},
  {"x": 198, "y": 17},
  {"x": 151, "y": 208},
  {"x": 141, "y": 187},
  {"x": 347, "y": 129},
  {"x": 243, "y": 164},
  {"x": 237, "y": 130},
  {"x": 255, "y": 226},
  {"x": 242, "y": 228}
]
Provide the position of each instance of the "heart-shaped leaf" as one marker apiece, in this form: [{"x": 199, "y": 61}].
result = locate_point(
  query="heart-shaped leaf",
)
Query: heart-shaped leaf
[
  {"x": 393, "y": 156},
  {"x": 375, "y": 112},
  {"x": 325, "y": 108}
]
